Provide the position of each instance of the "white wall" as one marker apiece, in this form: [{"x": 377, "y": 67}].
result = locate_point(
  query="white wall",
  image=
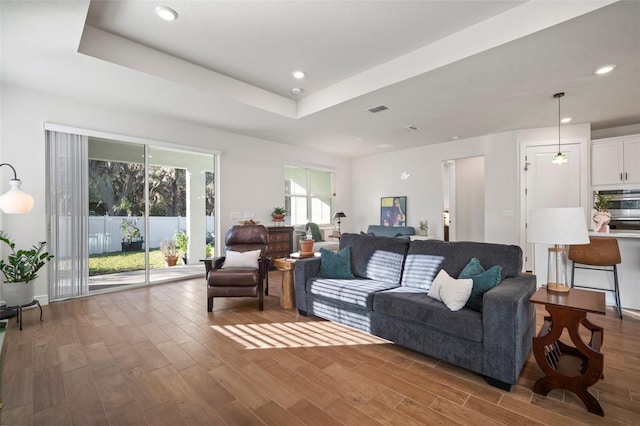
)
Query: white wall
[
  {"x": 379, "y": 176},
  {"x": 469, "y": 212},
  {"x": 251, "y": 170}
]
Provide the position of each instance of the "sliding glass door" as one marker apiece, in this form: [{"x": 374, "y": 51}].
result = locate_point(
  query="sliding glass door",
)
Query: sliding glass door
[{"x": 148, "y": 219}]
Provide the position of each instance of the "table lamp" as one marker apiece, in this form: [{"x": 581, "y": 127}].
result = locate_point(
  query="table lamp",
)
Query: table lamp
[
  {"x": 339, "y": 216},
  {"x": 557, "y": 226}
]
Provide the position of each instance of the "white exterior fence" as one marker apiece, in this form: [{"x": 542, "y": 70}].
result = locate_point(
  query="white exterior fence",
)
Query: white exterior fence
[{"x": 105, "y": 235}]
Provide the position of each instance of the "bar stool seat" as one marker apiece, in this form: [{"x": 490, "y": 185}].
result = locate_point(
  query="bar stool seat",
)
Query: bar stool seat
[{"x": 601, "y": 254}]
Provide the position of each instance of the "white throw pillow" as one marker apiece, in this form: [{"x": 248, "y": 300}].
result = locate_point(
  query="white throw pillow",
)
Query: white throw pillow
[
  {"x": 236, "y": 259},
  {"x": 452, "y": 292}
]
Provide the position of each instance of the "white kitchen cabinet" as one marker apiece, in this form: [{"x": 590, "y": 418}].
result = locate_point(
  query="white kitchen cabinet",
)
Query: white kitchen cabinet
[{"x": 615, "y": 160}]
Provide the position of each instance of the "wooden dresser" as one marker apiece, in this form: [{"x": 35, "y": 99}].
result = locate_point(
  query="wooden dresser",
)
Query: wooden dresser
[{"x": 280, "y": 241}]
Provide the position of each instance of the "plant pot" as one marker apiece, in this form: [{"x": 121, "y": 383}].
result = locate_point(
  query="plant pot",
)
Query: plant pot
[
  {"x": 306, "y": 246},
  {"x": 171, "y": 260},
  {"x": 277, "y": 216},
  {"x": 131, "y": 245},
  {"x": 18, "y": 294},
  {"x": 601, "y": 219},
  {"x": 423, "y": 232}
]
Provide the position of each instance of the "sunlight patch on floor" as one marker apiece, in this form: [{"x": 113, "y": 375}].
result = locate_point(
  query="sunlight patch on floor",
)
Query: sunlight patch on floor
[{"x": 295, "y": 335}]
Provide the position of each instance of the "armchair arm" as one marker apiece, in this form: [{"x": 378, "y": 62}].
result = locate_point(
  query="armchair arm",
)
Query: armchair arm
[
  {"x": 305, "y": 269},
  {"x": 508, "y": 326},
  {"x": 213, "y": 263}
]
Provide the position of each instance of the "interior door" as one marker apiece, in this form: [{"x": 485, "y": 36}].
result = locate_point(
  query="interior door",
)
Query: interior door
[{"x": 549, "y": 185}]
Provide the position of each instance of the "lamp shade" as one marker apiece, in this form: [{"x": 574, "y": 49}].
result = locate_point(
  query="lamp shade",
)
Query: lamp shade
[
  {"x": 562, "y": 225},
  {"x": 15, "y": 201},
  {"x": 339, "y": 215}
]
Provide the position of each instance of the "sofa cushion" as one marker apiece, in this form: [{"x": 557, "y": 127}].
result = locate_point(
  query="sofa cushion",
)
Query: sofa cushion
[
  {"x": 376, "y": 258},
  {"x": 458, "y": 253},
  {"x": 483, "y": 281},
  {"x": 335, "y": 265},
  {"x": 424, "y": 310},
  {"x": 356, "y": 292},
  {"x": 420, "y": 270}
]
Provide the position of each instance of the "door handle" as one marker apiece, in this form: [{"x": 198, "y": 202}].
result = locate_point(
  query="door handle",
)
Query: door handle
[
  {"x": 621, "y": 180},
  {"x": 625, "y": 176}
]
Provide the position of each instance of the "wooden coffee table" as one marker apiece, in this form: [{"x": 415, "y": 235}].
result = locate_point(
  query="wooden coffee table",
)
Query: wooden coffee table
[{"x": 569, "y": 310}]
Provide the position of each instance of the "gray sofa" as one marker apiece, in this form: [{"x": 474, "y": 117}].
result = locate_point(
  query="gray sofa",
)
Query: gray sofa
[{"x": 494, "y": 343}]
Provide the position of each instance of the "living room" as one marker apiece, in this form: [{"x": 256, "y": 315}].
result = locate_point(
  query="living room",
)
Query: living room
[{"x": 251, "y": 175}]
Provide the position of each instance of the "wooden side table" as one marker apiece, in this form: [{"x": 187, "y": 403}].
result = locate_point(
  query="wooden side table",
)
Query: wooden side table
[
  {"x": 287, "y": 295},
  {"x": 569, "y": 310}
]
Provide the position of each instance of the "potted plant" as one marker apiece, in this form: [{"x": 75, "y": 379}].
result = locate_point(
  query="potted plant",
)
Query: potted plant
[
  {"x": 278, "y": 213},
  {"x": 20, "y": 270},
  {"x": 168, "y": 248},
  {"x": 602, "y": 216},
  {"x": 306, "y": 244},
  {"x": 424, "y": 227},
  {"x": 208, "y": 250},
  {"x": 131, "y": 235},
  {"x": 182, "y": 241}
]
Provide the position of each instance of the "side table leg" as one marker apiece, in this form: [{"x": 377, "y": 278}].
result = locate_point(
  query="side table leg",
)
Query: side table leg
[
  {"x": 38, "y": 302},
  {"x": 287, "y": 300},
  {"x": 20, "y": 317}
]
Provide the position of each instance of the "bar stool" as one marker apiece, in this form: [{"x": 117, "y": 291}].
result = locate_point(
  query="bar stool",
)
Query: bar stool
[{"x": 601, "y": 254}]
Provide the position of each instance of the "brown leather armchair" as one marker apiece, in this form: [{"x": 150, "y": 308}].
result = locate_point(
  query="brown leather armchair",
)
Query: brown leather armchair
[{"x": 240, "y": 281}]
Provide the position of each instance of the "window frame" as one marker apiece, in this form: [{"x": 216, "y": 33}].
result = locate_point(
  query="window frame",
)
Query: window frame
[{"x": 309, "y": 196}]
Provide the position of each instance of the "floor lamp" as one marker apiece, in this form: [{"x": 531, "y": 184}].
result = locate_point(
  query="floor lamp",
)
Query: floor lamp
[
  {"x": 15, "y": 201},
  {"x": 557, "y": 226}
]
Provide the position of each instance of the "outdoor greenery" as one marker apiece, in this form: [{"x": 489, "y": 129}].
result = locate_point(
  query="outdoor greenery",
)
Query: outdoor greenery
[
  {"x": 182, "y": 241},
  {"x": 116, "y": 189},
  {"x": 109, "y": 263},
  {"x": 130, "y": 230}
]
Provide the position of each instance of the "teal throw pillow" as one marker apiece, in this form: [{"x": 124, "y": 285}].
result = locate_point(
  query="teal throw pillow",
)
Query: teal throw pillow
[
  {"x": 473, "y": 268},
  {"x": 335, "y": 265},
  {"x": 483, "y": 281}
]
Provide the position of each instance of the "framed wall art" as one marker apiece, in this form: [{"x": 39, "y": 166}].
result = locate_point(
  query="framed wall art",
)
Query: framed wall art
[{"x": 393, "y": 211}]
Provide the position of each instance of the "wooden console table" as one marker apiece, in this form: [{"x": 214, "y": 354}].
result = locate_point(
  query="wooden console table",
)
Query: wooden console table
[{"x": 569, "y": 310}]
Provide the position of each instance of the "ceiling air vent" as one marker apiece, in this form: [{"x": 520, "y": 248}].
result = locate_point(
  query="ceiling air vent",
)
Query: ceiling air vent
[{"x": 378, "y": 108}]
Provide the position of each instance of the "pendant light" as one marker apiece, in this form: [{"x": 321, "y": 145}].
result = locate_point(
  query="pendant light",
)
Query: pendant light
[{"x": 559, "y": 158}]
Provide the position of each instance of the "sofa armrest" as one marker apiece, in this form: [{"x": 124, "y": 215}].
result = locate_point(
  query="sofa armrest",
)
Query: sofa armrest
[
  {"x": 508, "y": 324},
  {"x": 305, "y": 269}
]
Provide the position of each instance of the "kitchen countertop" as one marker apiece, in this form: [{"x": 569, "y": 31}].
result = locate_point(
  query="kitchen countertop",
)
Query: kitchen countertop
[{"x": 616, "y": 233}]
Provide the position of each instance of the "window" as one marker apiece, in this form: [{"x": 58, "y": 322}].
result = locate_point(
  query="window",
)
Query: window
[{"x": 308, "y": 195}]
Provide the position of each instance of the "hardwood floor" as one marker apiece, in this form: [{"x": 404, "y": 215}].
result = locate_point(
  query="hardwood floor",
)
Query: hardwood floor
[{"x": 155, "y": 356}]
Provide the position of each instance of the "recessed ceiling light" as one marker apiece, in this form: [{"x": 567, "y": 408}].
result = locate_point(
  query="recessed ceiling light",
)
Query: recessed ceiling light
[
  {"x": 410, "y": 128},
  {"x": 605, "y": 69},
  {"x": 298, "y": 74},
  {"x": 296, "y": 91},
  {"x": 166, "y": 13},
  {"x": 453, "y": 138},
  {"x": 566, "y": 120}
]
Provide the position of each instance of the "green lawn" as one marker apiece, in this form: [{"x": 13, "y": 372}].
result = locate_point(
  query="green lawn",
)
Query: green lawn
[{"x": 108, "y": 263}]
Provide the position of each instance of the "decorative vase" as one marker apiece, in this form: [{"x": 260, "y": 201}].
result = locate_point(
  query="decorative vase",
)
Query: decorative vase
[
  {"x": 171, "y": 260},
  {"x": 601, "y": 219},
  {"x": 18, "y": 294},
  {"x": 306, "y": 246}
]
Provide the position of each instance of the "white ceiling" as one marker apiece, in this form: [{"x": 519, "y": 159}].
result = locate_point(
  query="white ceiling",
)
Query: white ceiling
[{"x": 464, "y": 68}]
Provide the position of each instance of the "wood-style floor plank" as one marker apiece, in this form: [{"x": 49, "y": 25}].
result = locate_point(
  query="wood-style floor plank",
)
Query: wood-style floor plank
[{"x": 155, "y": 356}]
